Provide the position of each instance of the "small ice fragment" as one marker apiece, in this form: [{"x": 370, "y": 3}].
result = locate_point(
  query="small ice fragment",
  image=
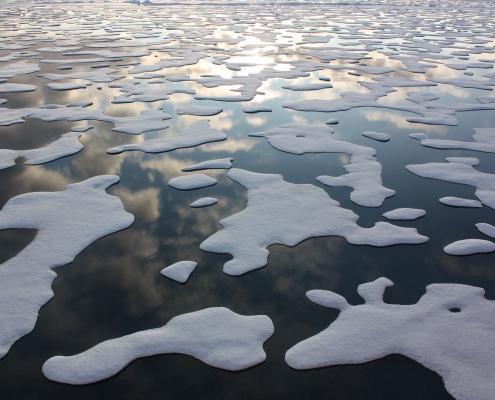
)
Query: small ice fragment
[
  {"x": 256, "y": 109},
  {"x": 180, "y": 271},
  {"x": 16, "y": 88},
  {"x": 404, "y": 214},
  {"x": 469, "y": 246},
  {"x": 190, "y": 182},
  {"x": 487, "y": 229},
  {"x": 332, "y": 121},
  {"x": 198, "y": 110},
  {"x": 381, "y": 137},
  {"x": 458, "y": 202},
  {"x": 221, "y": 163},
  {"x": 204, "y": 202}
]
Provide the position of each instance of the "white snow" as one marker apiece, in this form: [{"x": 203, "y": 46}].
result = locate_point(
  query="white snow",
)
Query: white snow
[
  {"x": 180, "y": 271},
  {"x": 459, "y": 346},
  {"x": 217, "y": 336},
  {"x": 190, "y": 182},
  {"x": 487, "y": 229},
  {"x": 484, "y": 140},
  {"x": 18, "y": 68},
  {"x": 66, "y": 86},
  {"x": 66, "y": 223},
  {"x": 405, "y": 214},
  {"x": 286, "y": 213},
  {"x": 194, "y": 135},
  {"x": 308, "y": 86}
]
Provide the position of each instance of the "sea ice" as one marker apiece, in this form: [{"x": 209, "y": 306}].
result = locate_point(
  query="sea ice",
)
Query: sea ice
[
  {"x": 458, "y": 202},
  {"x": 221, "y": 163},
  {"x": 18, "y": 68},
  {"x": 195, "y": 134},
  {"x": 450, "y": 330},
  {"x": 469, "y": 246},
  {"x": 190, "y": 182},
  {"x": 364, "y": 171},
  {"x": 199, "y": 110},
  {"x": 204, "y": 202},
  {"x": 16, "y": 88},
  {"x": 381, "y": 137},
  {"x": 67, "y": 145},
  {"x": 180, "y": 271},
  {"x": 460, "y": 170},
  {"x": 217, "y": 336},
  {"x": 405, "y": 214},
  {"x": 66, "y": 223},
  {"x": 256, "y": 109},
  {"x": 487, "y": 229},
  {"x": 484, "y": 140},
  {"x": 308, "y": 86},
  {"x": 286, "y": 213}
]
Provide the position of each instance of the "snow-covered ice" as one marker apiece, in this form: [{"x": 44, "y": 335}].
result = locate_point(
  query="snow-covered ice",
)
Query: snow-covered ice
[
  {"x": 180, "y": 271},
  {"x": 190, "y": 182}
]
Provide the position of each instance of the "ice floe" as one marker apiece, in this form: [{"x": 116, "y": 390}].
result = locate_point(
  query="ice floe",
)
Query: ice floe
[
  {"x": 460, "y": 170},
  {"x": 190, "y": 182},
  {"x": 199, "y": 110},
  {"x": 449, "y": 330},
  {"x": 217, "y": 336},
  {"x": 66, "y": 223},
  {"x": 67, "y": 145},
  {"x": 286, "y": 213},
  {"x": 16, "y": 88},
  {"x": 364, "y": 171},
  {"x": 469, "y": 246},
  {"x": 458, "y": 202},
  {"x": 379, "y": 136},
  {"x": 194, "y": 135},
  {"x": 204, "y": 202},
  {"x": 220, "y": 163},
  {"x": 405, "y": 214},
  {"x": 484, "y": 140},
  {"x": 180, "y": 271}
]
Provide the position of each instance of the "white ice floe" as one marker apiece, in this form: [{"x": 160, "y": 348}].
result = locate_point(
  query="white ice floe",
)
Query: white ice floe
[
  {"x": 286, "y": 213},
  {"x": 18, "y": 68},
  {"x": 204, "y": 202},
  {"x": 66, "y": 223},
  {"x": 381, "y": 137},
  {"x": 469, "y": 246},
  {"x": 180, "y": 271},
  {"x": 103, "y": 75},
  {"x": 487, "y": 229},
  {"x": 308, "y": 86},
  {"x": 220, "y": 163},
  {"x": 450, "y": 330},
  {"x": 216, "y": 336},
  {"x": 199, "y": 110},
  {"x": 459, "y": 202},
  {"x": 194, "y": 135},
  {"x": 146, "y": 121},
  {"x": 67, "y": 145},
  {"x": 66, "y": 86},
  {"x": 364, "y": 171},
  {"x": 190, "y": 182},
  {"x": 484, "y": 140},
  {"x": 332, "y": 121},
  {"x": 405, "y": 214},
  {"x": 16, "y": 88},
  {"x": 256, "y": 109},
  {"x": 460, "y": 170}
]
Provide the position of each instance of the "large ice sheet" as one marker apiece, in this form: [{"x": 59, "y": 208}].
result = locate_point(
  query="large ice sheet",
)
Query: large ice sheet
[
  {"x": 217, "y": 336},
  {"x": 450, "y": 330},
  {"x": 66, "y": 223},
  {"x": 286, "y": 213}
]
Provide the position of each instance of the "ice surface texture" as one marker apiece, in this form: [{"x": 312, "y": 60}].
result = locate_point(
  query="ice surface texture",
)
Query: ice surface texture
[
  {"x": 287, "y": 213},
  {"x": 450, "y": 330},
  {"x": 66, "y": 223},
  {"x": 217, "y": 336}
]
